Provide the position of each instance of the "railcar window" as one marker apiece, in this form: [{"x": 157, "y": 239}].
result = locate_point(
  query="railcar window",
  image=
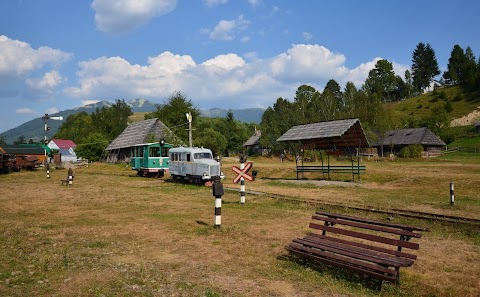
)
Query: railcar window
[
  {"x": 202, "y": 156},
  {"x": 154, "y": 152},
  {"x": 164, "y": 152},
  {"x": 188, "y": 157}
]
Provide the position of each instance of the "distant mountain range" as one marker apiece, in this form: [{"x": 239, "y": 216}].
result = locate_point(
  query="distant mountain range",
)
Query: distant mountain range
[{"x": 34, "y": 129}]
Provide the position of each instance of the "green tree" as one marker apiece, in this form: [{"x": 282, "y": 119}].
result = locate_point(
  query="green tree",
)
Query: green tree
[
  {"x": 424, "y": 66},
  {"x": 92, "y": 146},
  {"x": 382, "y": 81},
  {"x": 454, "y": 67},
  {"x": 20, "y": 140},
  {"x": 2, "y": 140},
  {"x": 111, "y": 121},
  {"x": 76, "y": 127},
  {"x": 211, "y": 139},
  {"x": 408, "y": 84},
  {"x": 437, "y": 120},
  {"x": 349, "y": 99},
  {"x": 303, "y": 104},
  {"x": 173, "y": 114},
  {"x": 468, "y": 71},
  {"x": 276, "y": 120}
]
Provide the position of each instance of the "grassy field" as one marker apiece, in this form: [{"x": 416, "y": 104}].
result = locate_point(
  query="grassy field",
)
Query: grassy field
[
  {"x": 115, "y": 234},
  {"x": 462, "y": 103}
]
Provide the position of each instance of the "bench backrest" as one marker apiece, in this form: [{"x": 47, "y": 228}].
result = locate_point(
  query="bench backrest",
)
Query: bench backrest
[{"x": 348, "y": 227}]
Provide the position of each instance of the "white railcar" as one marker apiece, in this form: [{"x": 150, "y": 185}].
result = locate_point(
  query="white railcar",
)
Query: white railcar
[{"x": 193, "y": 164}]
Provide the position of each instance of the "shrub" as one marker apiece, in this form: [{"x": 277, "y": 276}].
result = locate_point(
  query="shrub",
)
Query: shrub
[
  {"x": 411, "y": 151},
  {"x": 442, "y": 95}
]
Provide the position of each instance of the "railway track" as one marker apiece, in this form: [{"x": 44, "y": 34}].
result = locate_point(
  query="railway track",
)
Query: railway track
[{"x": 393, "y": 211}]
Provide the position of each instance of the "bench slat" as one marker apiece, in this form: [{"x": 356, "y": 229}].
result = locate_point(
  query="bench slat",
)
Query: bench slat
[
  {"x": 369, "y": 221},
  {"x": 404, "y": 262},
  {"x": 356, "y": 254},
  {"x": 376, "y": 271},
  {"x": 399, "y": 243},
  {"x": 362, "y": 245},
  {"x": 367, "y": 226}
]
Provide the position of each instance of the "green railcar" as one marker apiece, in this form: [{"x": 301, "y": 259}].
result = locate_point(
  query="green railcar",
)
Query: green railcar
[{"x": 150, "y": 159}]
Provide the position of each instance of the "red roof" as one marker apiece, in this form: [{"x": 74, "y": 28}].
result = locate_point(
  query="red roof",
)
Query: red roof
[{"x": 64, "y": 143}]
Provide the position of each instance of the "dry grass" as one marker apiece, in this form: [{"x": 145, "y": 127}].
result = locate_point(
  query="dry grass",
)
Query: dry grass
[{"x": 115, "y": 234}]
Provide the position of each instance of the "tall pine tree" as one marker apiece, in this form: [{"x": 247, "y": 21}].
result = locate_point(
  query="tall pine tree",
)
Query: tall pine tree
[{"x": 424, "y": 66}]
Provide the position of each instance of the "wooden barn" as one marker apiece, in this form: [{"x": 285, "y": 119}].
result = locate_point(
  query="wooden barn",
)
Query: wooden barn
[
  {"x": 393, "y": 141},
  {"x": 253, "y": 144},
  {"x": 343, "y": 137},
  {"x": 136, "y": 133}
]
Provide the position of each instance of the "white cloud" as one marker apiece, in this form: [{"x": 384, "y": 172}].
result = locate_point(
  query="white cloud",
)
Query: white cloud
[
  {"x": 25, "y": 111},
  {"x": 256, "y": 3},
  {"x": 245, "y": 39},
  {"x": 307, "y": 36},
  {"x": 306, "y": 61},
  {"x": 226, "y": 30},
  {"x": 44, "y": 87},
  {"x": 275, "y": 10},
  {"x": 18, "y": 59},
  {"x": 27, "y": 72},
  {"x": 49, "y": 81},
  {"x": 211, "y": 3},
  {"x": 227, "y": 62},
  {"x": 87, "y": 102},
  {"x": 51, "y": 110},
  {"x": 116, "y": 16},
  {"x": 222, "y": 81}
]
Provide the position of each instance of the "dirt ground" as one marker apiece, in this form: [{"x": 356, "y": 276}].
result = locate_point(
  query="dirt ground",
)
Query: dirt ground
[{"x": 115, "y": 234}]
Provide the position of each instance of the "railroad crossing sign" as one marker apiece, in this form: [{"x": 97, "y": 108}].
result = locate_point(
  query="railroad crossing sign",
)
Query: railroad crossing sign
[{"x": 242, "y": 173}]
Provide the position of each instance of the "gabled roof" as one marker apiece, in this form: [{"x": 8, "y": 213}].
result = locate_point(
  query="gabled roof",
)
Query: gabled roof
[
  {"x": 410, "y": 136},
  {"x": 138, "y": 132},
  {"x": 64, "y": 143},
  {"x": 254, "y": 139},
  {"x": 340, "y": 133},
  {"x": 66, "y": 153}
]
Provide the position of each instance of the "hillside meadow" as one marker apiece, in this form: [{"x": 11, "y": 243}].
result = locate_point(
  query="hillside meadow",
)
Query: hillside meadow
[{"x": 115, "y": 234}]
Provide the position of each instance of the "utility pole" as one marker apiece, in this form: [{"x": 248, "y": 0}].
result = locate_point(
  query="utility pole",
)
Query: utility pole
[
  {"x": 189, "y": 119},
  {"x": 45, "y": 118}
]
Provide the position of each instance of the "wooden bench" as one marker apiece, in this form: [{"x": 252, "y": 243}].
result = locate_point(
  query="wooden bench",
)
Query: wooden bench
[
  {"x": 348, "y": 169},
  {"x": 369, "y": 247}
]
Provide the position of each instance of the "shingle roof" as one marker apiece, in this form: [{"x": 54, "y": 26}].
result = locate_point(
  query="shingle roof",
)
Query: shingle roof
[
  {"x": 137, "y": 133},
  {"x": 254, "y": 139},
  {"x": 338, "y": 133},
  {"x": 410, "y": 136}
]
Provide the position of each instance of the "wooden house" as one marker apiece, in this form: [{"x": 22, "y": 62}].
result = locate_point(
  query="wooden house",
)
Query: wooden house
[
  {"x": 253, "y": 144},
  {"x": 136, "y": 133},
  {"x": 391, "y": 142},
  {"x": 340, "y": 137}
]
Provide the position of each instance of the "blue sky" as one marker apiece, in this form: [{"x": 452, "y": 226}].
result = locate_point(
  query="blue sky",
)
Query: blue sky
[{"x": 57, "y": 54}]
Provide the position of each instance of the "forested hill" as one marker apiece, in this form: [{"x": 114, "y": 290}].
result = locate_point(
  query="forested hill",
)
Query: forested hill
[{"x": 34, "y": 129}]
